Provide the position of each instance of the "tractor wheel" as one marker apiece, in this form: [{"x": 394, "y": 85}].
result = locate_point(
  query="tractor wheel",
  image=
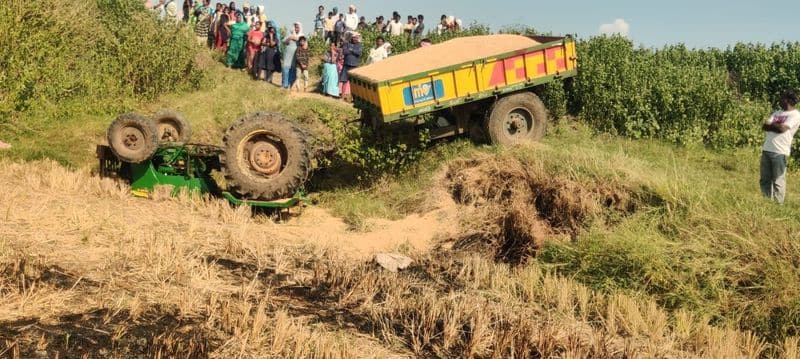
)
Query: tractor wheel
[
  {"x": 266, "y": 157},
  {"x": 516, "y": 118},
  {"x": 172, "y": 127},
  {"x": 132, "y": 137}
]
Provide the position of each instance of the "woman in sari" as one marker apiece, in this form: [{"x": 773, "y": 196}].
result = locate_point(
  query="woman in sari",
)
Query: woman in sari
[
  {"x": 222, "y": 30},
  {"x": 330, "y": 75},
  {"x": 277, "y": 33},
  {"x": 289, "y": 65},
  {"x": 236, "y": 47}
]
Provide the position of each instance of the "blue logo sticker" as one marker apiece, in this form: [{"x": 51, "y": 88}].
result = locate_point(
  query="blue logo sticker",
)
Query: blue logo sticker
[{"x": 423, "y": 92}]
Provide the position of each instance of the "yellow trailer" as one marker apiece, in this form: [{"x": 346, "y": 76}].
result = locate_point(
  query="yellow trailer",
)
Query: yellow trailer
[{"x": 481, "y": 81}]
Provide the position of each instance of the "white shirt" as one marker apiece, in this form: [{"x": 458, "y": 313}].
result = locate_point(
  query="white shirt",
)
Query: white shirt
[
  {"x": 351, "y": 21},
  {"x": 379, "y": 53},
  {"x": 782, "y": 142},
  {"x": 395, "y": 28}
]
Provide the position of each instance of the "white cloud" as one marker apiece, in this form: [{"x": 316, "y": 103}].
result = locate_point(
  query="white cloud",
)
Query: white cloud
[{"x": 619, "y": 26}]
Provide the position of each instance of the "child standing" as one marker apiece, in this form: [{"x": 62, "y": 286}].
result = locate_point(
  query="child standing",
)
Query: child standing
[{"x": 302, "y": 58}]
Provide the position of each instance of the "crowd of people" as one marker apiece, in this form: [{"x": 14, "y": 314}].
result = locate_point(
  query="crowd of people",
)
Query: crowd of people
[{"x": 253, "y": 43}]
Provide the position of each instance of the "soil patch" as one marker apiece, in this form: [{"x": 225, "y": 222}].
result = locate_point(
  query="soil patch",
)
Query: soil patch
[
  {"x": 515, "y": 205},
  {"x": 22, "y": 275}
]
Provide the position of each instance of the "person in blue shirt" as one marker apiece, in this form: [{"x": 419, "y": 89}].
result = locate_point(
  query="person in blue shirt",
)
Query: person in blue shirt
[{"x": 319, "y": 26}]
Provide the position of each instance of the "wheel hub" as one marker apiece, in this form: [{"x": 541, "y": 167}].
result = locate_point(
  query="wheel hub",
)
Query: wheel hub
[
  {"x": 132, "y": 138},
  {"x": 168, "y": 132},
  {"x": 265, "y": 157},
  {"x": 517, "y": 123}
]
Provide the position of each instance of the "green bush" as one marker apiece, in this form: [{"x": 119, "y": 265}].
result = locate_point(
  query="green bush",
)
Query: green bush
[
  {"x": 764, "y": 72},
  {"x": 368, "y": 157},
  {"x": 713, "y": 97},
  {"x": 64, "y": 60}
]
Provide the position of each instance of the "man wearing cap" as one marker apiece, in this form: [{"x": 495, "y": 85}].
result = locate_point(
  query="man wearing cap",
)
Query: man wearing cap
[
  {"x": 780, "y": 129},
  {"x": 249, "y": 17}
]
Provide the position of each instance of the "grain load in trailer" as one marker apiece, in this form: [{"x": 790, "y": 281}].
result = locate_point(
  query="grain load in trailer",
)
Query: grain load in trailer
[{"x": 448, "y": 53}]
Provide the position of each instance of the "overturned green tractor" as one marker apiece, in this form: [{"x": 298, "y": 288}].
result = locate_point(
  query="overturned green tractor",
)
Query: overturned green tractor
[{"x": 265, "y": 158}]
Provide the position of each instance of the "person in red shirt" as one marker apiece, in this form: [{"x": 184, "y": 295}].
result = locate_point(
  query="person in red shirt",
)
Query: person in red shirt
[{"x": 253, "y": 44}]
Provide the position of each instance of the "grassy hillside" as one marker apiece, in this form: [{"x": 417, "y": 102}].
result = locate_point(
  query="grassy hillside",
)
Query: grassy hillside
[{"x": 582, "y": 245}]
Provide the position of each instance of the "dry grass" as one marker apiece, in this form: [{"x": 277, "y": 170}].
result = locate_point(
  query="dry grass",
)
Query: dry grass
[
  {"x": 183, "y": 276},
  {"x": 468, "y": 306},
  {"x": 87, "y": 269}
]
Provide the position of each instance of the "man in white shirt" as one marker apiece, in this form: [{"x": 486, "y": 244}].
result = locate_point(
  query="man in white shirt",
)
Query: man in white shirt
[
  {"x": 351, "y": 19},
  {"x": 395, "y": 28},
  {"x": 780, "y": 129},
  {"x": 380, "y": 52}
]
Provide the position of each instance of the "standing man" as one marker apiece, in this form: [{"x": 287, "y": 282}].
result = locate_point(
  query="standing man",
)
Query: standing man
[
  {"x": 339, "y": 29},
  {"x": 780, "y": 129},
  {"x": 419, "y": 29},
  {"x": 319, "y": 22},
  {"x": 249, "y": 16},
  {"x": 395, "y": 28},
  {"x": 351, "y": 19},
  {"x": 171, "y": 8}
]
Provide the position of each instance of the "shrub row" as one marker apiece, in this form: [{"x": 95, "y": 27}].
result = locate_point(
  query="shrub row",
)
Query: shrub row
[
  {"x": 62, "y": 59},
  {"x": 716, "y": 97}
]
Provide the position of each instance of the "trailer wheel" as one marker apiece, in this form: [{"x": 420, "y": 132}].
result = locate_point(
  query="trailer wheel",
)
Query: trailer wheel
[
  {"x": 516, "y": 118},
  {"x": 266, "y": 157},
  {"x": 172, "y": 127},
  {"x": 132, "y": 137}
]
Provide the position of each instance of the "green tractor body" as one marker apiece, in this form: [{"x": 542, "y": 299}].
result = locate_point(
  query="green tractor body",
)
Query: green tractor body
[{"x": 182, "y": 168}]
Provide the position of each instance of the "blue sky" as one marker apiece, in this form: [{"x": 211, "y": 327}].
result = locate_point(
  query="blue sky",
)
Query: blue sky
[{"x": 697, "y": 23}]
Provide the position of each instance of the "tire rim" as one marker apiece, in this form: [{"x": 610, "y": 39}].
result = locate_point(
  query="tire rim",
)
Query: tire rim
[
  {"x": 263, "y": 154},
  {"x": 169, "y": 131},
  {"x": 132, "y": 138},
  {"x": 518, "y": 123}
]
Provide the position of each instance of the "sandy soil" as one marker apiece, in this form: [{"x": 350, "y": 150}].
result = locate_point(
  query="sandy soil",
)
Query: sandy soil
[{"x": 448, "y": 53}]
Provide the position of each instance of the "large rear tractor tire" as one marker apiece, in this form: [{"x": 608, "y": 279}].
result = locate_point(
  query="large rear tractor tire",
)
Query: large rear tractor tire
[
  {"x": 266, "y": 157},
  {"x": 172, "y": 127},
  {"x": 516, "y": 118},
  {"x": 133, "y": 137}
]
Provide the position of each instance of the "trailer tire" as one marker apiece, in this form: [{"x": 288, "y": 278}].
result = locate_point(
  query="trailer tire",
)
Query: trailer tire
[
  {"x": 172, "y": 127},
  {"x": 132, "y": 137},
  {"x": 516, "y": 118},
  {"x": 265, "y": 157}
]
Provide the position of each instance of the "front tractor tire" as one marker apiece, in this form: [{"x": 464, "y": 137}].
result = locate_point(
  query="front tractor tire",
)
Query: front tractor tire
[
  {"x": 516, "y": 118},
  {"x": 133, "y": 137},
  {"x": 266, "y": 157}
]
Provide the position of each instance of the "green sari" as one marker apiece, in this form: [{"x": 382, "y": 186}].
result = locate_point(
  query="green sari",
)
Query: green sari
[{"x": 236, "y": 49}]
